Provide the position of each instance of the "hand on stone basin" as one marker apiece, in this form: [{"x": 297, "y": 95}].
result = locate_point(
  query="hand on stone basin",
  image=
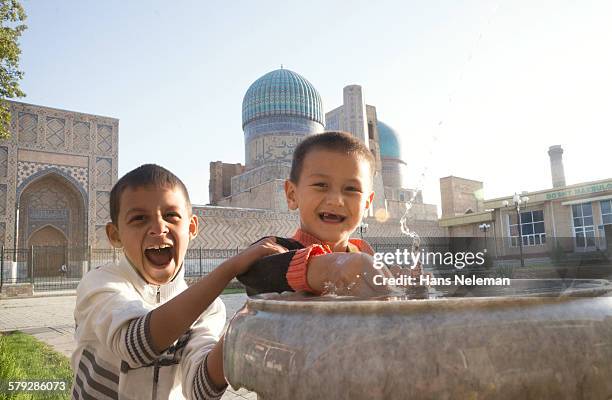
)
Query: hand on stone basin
[{"x": 349, "y": 274}]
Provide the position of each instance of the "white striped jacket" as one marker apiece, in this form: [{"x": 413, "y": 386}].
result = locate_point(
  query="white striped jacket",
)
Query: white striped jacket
[{"x": 114, "y": 358}]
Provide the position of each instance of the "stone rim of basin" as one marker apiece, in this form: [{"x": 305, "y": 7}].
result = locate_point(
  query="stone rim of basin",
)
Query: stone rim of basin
[{"x": 576, "y": 288}]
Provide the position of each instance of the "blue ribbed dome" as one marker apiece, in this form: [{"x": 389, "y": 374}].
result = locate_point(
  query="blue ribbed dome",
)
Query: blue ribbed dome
[
  {"x": 389, "y": 141},
  {"x": 282, "y": 92}
]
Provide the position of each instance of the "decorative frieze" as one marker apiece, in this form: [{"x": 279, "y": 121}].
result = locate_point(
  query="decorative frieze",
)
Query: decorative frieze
[
  {"x": 105, "y": 139},
  {"x": 26, "y": 169},
  {"x": 28, "y": 124},
  {"x": 56, "y": 133},
  {"x": 103, "y": 207},
  {"x": 81, "y": 136},
  {"x": 104, "y": 170}
]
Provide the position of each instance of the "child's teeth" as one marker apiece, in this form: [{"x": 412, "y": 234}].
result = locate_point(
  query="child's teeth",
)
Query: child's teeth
[{"x": 162, "y": 246}]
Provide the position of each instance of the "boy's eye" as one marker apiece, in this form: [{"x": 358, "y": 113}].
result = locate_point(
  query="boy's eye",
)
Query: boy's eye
[
  {"x": 172, "y": 215},
  {"x": 320, "y": 184},
  {"x": 137, "y": 218},
  {"x": 353, "y": 189}
]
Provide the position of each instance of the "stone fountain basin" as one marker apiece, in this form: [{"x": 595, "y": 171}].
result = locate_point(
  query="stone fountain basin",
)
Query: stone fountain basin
[{"x": 555, "y": 343}]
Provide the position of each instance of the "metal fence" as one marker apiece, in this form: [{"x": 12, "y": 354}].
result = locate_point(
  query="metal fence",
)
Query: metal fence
[
  {"x": 49, "y": 268},
  {"x": 61, "y": 268}
]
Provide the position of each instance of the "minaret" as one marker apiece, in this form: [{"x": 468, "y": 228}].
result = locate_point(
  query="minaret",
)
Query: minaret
[
  {"x": 556, "y": 166},
  {"x": 355, "y": 119}
]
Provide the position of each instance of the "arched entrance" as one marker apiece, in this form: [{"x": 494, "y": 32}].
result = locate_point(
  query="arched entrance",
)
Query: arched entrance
[
  {"x": 49, "y": 251},
  {"x": 51, "y": 201},
  {"x": 47, "y": 236},
  {"x": 52, "y": 227}
]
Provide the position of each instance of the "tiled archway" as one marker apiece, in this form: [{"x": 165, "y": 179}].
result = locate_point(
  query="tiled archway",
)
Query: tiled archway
[{"x": 52, "y": 201}]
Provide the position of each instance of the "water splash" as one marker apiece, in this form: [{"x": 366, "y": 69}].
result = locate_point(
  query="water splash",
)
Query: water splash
[
  {"x": 405, "y": 229},
  {"x": 331, "y": 289},
  {"x": 442, "y": 123}
]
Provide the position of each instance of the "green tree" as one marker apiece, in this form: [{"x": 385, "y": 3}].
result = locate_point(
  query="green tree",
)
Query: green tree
[{"x": 12, "y": 16}]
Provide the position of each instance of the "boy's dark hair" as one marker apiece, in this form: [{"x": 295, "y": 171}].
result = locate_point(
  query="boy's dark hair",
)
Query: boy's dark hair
[
  {"x": 143, "y": 176},
  {"x": 341, "y": 142}
]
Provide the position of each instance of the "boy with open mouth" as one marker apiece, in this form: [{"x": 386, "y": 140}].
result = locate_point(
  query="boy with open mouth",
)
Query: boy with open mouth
[{"x": 140, "y": 331}]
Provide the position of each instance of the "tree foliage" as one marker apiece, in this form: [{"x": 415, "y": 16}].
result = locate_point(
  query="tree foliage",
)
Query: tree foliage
[{"x": 12, "y": 16}]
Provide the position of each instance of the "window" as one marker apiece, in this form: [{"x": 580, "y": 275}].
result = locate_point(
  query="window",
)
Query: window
[
  {"x": 532, "y": 228},
  {"x": 370, "y": 130},
  {"x": 606, "y": 211},
  {"x": 584, "y": 230},
  {"x": 606, "y": 216}
]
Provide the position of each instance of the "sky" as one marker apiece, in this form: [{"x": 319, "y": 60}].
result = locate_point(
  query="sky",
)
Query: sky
[{"x": 476, "y": 89}]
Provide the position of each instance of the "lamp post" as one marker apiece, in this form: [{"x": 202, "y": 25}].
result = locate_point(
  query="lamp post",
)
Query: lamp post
[
  {"x": 363, "y": 228},
  {"x": 484, "y": 227},
  {"x": 517, "y": 201}
]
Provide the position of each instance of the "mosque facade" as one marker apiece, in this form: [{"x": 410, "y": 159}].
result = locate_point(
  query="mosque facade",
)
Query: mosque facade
[
  {"x": 278, "y": 111},
  {"x": 56, "y": 172}
]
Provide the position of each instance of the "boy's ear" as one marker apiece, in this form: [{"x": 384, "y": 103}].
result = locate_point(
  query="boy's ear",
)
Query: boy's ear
[
  {"x": 292, "y": 202},
  {"x": 193, "y": 226},
  {"x": 369, "y": 200},
  {"x": 113, "y": 235}
]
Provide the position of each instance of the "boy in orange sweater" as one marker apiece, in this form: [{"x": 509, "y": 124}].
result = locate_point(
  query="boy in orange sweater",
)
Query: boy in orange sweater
[{"x": 331, "y": 184}]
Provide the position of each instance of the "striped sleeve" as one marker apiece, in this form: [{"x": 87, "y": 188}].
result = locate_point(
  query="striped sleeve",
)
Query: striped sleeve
[
  {"x": 298, "y": 267},
  {"x": 94, "y": 379},
  {"x": 138, "y": 341},
  {"x": 204, "y": 388}
]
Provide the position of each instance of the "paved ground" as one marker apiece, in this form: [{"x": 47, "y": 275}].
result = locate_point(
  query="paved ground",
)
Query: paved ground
[{"x": 50, "y": 320}]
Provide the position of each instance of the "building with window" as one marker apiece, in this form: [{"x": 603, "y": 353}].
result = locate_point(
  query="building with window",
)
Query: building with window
[{"x": 567, "y": 218}]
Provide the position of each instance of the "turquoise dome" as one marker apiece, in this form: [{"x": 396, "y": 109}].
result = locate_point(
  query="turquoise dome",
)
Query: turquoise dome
[
  {"x": 389, "y": 141},
  {"x": 282, "y": 93}
]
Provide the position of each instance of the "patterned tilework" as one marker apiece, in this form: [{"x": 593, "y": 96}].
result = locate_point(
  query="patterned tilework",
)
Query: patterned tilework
[
  {"x": 26, "y": 169},
  {"x": 3, "y": 162},
  {"x": 101, "y": 241},
  {"x": 389, "y": 141},
  {"x": 259, "y": 175},
  {"x": 228, "y": 228},
  {"x": 81, "y": 135},
  {"x": 104, "y": 171},
  {"x": 105, "y": 138},
  {"x": 282, "y": 92},
  {"x": 27, "y": 127},
  {"x": 102, "y": 207},
  {"x": 271, "y": 149},
  {"x": 55, "y": 132},
  {"x": 68, "y": 136},
  {"x": 2, "y": 199}
]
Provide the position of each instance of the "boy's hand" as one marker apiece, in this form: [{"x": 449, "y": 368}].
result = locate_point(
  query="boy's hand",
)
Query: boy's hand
[
  {"x": 348, "y": 274},
  {"x": 262, "y": 248}
]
